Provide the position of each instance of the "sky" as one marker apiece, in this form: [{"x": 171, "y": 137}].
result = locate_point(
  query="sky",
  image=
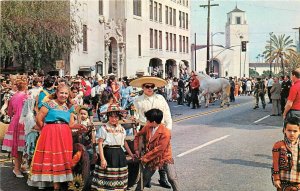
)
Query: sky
[{"x": 263, "y": 17}]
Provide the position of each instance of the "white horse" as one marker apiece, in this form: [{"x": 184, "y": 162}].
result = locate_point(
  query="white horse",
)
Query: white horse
[{"x": 210, "y": 85}]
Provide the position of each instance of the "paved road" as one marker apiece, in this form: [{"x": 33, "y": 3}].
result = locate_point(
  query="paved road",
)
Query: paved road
[{"x": 218, "y": 149}]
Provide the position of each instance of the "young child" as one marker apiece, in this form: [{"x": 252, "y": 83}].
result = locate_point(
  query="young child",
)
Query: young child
[
  {"x": 83, "y": 116},
  {"x": 286, "y": 166},
  {"x": 158, "y": 149}
]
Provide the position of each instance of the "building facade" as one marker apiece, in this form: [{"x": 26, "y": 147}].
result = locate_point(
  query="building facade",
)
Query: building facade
[
  {"x": 123, "y": 37},
  {"x": 228, "y": 60}
]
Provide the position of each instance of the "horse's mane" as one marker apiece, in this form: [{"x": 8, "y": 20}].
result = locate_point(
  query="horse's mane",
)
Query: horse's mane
[{"x": 203, "y": 75}]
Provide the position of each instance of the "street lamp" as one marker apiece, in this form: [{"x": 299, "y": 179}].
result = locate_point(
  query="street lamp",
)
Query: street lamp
[
  {"x": 271, "y": 33},
  {"x": 212, "y": 52},
  {"x": 298, "y": 28}
]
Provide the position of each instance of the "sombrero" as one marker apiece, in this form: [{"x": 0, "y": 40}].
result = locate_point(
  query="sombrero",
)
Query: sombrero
[
  {"x": 113, "y": 108},
  {"x": 158, "y": 82}
]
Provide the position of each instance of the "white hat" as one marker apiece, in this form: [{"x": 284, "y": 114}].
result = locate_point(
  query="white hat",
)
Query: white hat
[{"x": 158, "y": 82}]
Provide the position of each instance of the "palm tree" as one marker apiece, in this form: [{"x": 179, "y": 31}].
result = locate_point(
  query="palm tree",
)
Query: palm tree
[
  {"x": 293, "y": 62},
  {"x": 279, "y": 49}
]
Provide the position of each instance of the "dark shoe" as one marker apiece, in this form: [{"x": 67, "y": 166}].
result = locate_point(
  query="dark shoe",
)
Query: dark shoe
[
  {"x": 273, "y": 115},
  {"x": 279, "y": 114},
  {"x": 164, "y": 184},
  {"x": 188, "y": 105},
  {"x": 148, "y": 185},
  {"x": 255, "y": 107},
  {"x": 193, "y": 107},
  {"x": 264, "y": 106}
]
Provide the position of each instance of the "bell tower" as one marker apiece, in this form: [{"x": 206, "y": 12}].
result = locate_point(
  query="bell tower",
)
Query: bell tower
[
  {"x": 236, "y": 27},
  {"x": 237, "y": 31}
]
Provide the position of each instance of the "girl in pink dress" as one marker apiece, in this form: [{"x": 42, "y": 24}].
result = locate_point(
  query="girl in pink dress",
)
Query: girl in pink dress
[{"x": 14, "y": 140}]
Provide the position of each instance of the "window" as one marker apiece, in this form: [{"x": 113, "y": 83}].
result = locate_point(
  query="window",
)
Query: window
[
  {"x": 151, "y": 9},
  {"x": 238, "y": 20},
  {"x": 187, "y": 21},
  {"x": 167, "y": 41},
  {"x": 174, "y": 17},
  {"x": 84, "y": 36},
  {"x": 160, "y": 12},
  {"x": 180, "y": 19},
  {"x": 180, "y": 44},
  {"x": 140, "y": 45},
  {"x": 155, "y": 11},
  {"x": 183, "y": 20},
  {"x": 100, "y": 7},
  {"x": 187, "y": 45},
  {"x": 187, "y": 3},
  {"x": 167, "y": 13},
  {"x": 174, "y": 42},
  {"x": 137, "y": 7},
  {"x": 151, "y": 38},
  {"x": 160, "y": 40},
  {"x": 183, "y": 43},
  {"x": 155, "y": 39},
  {"x": 171, "y": 41},
  {"x": 171, "y": 15}
]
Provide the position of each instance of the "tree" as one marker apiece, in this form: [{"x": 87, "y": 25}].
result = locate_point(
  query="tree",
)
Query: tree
[
  {"x": 293, "y": 62},
  {"x": 36, "y": 33},
  {"x": 266, "y": 73},
  {"x": 278, "y": 49},
  {"x": 253, "y": 72}
]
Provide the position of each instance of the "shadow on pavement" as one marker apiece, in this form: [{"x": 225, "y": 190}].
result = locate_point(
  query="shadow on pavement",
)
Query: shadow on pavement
[{"x": 243, "y": 162}]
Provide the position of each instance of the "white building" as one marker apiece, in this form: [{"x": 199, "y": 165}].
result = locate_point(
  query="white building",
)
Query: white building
[
  {"x": 124, "y": 36},
  {"x": 228, "y": 60}
]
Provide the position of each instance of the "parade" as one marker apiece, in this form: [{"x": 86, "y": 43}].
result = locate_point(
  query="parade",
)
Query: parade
[{"x": 155, "y": 95}]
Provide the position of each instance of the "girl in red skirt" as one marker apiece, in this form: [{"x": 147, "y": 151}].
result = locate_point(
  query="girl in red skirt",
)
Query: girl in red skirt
[{"x": 52, "y": 160}]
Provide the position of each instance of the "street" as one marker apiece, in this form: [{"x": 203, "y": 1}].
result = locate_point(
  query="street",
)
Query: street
[{"x": 221, "y": 149}]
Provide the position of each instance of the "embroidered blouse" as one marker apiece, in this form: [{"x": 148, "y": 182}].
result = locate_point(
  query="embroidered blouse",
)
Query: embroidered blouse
[
  {"x": 111, "y": 135},
  {"x": 57, "y": 112}
]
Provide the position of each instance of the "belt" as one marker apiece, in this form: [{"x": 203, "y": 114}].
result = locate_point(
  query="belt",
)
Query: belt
[
  {"x": 57, "y": 122},
  {"x": 112, "y": 146}
]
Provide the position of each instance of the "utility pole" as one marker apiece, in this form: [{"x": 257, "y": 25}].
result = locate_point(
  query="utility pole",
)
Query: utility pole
[
  {"x": 299, "y": 38},
  {"x": 208, "y": 34},
  {"x": 195, "y": 48}
]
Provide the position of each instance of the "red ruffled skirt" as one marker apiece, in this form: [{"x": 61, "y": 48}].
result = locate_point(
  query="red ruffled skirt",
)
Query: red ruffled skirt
[{"x": 52, "y": 160}]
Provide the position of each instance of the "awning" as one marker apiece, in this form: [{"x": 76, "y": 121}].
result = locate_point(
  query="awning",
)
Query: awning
[{"x": 84, "y": 69}]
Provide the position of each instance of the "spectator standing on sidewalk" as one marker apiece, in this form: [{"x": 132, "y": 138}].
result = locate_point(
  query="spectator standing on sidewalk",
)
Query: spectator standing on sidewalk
[
  {"x": 285, "y": 89},
  {"x": 292, "y": 106},
  {"x": 269, "y": 86},
  {"x": 275, "y": 96}
]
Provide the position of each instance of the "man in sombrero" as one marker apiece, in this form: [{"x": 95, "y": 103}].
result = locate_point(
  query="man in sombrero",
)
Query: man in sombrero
[{"x": 149, "y": 100}]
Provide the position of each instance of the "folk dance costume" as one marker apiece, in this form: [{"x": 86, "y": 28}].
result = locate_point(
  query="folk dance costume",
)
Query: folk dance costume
[
  {"x": 114, "y": 176},
  {"x": 14, "y": 139},
  {"x": 52, "y": 160}
]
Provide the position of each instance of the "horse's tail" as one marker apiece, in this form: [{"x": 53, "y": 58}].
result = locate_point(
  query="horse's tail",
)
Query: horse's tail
[{"x": 228, "y": 90}]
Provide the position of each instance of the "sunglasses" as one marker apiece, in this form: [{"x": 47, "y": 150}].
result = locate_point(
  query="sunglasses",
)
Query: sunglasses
[{"x": 149, "y": 86}]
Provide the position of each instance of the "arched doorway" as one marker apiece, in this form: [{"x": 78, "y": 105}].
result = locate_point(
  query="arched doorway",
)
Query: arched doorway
[
  {"x": 216, "y": 68},
  {"x": 183, "y": 68},
  {"x": 170, "y": 68},
  {"x": 155, "y": 67},
  {"x": 113, "y": 56}
]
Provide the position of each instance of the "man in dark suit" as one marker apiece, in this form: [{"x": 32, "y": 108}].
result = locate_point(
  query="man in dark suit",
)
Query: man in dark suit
[{"x": 285, "y": 89}]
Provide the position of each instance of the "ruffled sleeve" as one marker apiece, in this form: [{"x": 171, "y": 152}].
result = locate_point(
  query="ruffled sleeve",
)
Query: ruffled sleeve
[{"x": 101, "y": 133}]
